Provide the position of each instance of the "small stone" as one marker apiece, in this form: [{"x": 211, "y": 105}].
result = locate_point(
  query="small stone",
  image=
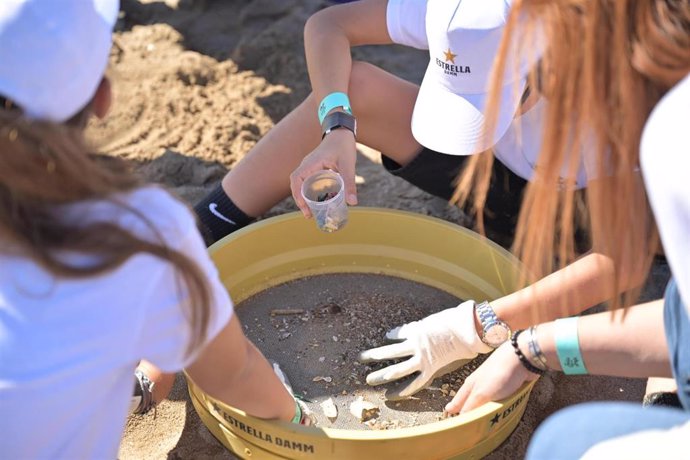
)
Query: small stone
[
  {"x": 325, "y": 196},
  {"x": 322, "y": 359},
  {"x": 329, "y": 409},
  {"x": 332, "y": 308}
]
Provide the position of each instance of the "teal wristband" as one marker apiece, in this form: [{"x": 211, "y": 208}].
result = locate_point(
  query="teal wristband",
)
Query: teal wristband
[
  {"x": 568, "y": 346},
  {"x": 333, "y": 101},
  {"x": 298, "y": 413}
]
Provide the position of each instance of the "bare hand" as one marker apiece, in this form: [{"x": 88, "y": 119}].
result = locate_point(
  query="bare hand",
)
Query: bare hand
[
  {"x": 336, "y": 152},
  {"x": 497, "y": 378}
]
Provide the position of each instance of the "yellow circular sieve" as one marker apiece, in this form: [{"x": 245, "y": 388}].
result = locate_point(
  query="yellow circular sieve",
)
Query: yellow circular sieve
[{"x": 381, "y": 241}]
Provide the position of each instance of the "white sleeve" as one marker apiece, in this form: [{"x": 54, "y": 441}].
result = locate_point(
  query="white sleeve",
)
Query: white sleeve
[
  {"x": 665, "y": 160},
  {"x": 165, "y": 334},
  {"x": 667, "y": 444},
  {"x": 406, "y": 21}
]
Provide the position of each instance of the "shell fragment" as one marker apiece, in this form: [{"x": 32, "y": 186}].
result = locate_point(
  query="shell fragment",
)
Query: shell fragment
[
  {"x": 364, "y": 410},
  {"x": 329, "y": 409}
]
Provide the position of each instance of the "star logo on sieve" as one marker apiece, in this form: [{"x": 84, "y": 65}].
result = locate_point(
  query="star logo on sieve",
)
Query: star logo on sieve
[
  {"x": 495, "y": 419},
  {"x": 450, "y": 57}
]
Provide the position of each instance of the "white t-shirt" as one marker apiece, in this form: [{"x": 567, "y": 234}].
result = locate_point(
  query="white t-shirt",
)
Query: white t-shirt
[
  {"x": 519, "y": 147},
  {"x": 69, "y": 347},
  {"x": 665, "y": 161}
]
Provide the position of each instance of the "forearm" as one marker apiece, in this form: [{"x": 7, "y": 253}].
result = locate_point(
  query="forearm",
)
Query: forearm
[
  {"x": 586, "y": 282},
  {"x": 329, "y": 35},
  {"x": 611, "y": 344},
  {"x": 231, "y": 369},
  {"x": 256, "y": 390}
]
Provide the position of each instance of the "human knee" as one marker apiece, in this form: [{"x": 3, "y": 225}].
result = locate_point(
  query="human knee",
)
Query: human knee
[
  {"x": 360, "y": 90},
  {"x": 558, "y": 431}
]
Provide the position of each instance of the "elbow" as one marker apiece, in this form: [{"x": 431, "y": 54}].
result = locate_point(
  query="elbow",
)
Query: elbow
[
  {"x": 313, "y": 25},
  {"x": 319, "y": 25}
]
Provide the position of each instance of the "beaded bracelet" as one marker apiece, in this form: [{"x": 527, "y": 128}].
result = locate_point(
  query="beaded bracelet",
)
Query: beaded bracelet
[{"x": 523, "y": 359}]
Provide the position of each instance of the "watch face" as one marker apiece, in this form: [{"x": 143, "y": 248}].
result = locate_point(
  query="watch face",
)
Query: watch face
[{"x": 496, "y": 335}]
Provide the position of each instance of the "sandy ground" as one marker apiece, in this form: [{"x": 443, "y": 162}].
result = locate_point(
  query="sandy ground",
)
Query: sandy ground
[{"x": 197, "y": 83}]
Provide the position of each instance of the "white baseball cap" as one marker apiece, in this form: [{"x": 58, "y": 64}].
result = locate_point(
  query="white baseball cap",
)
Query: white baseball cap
[
  {"x": 54, "y": 53},
  {"x": 464, "y": 38}
]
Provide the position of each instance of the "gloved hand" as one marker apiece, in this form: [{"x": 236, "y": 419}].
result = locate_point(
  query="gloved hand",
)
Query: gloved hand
[
  {"x": 303, "y": 415},
  {"x": 436, "y": 345}
]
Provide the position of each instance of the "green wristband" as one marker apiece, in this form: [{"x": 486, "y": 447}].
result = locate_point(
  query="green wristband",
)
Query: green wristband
[
  {"x": 298, "y": 413},
  {"x": 568, "y": 346},
  {"x": 333, "y": 101}
]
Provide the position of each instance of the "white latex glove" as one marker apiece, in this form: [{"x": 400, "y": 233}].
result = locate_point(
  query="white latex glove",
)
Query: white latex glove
[
  {"x": 436, "y": 345},
  {"x": 307, "y": 417}
]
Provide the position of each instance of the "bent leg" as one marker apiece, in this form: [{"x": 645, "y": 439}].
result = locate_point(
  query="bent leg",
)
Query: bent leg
[
  {"x": 569, "y": 433},
  {"x": 383, "y": 105}
]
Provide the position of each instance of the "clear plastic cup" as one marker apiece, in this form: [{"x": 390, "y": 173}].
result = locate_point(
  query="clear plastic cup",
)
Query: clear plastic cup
[{"x": 324, "y": 192}]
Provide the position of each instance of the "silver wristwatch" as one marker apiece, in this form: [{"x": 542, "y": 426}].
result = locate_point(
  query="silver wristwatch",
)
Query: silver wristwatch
[{"x": 494, "y": 331}]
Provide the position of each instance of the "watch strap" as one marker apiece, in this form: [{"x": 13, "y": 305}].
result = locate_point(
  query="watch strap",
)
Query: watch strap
[
  {"x": 486, "y": 314},
  {"x": 335, "y": 120},
  {"x": 488, "y": 320}
]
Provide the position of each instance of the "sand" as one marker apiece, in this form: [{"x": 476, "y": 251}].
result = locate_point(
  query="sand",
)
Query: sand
[
  {"x": 342, "y": 315},
  {"x": 197, "y": 83}
]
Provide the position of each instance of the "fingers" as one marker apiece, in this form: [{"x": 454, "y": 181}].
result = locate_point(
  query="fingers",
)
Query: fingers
[
  {"x": 308, "y": 167},
  {"x": 402, "y": 332},
  {"x": 347, "y": 171},
  {"x": 296, "y": 180},
  {"x": 396, "y": 350},
  {"x": 390, "y": 373},
  {"x": 336, "y": 152},
  {"x": 419, "y": 383},
  {"x": 455, "y": 406}
]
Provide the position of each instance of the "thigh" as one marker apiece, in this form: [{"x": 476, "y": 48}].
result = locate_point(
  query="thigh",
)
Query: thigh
[
  {"x": 569, "y": 433},
  {"x": 383, "y": 105}
]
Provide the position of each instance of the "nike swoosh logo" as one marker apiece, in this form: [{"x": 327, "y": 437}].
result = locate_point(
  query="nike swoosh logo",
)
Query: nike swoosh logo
[{"x": 212, "y": 207}]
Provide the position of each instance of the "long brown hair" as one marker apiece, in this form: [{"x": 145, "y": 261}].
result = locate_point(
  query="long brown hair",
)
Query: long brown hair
[
  {"x": 46, "y": 166},
  {"x": 606, "y": 63}
]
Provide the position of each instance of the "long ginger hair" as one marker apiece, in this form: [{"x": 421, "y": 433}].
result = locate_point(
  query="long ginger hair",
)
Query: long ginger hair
[
  {"x": 45, "y": 166},
  {"x": 604, "y": 65}
]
